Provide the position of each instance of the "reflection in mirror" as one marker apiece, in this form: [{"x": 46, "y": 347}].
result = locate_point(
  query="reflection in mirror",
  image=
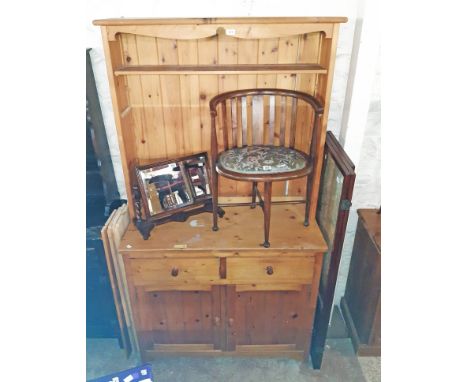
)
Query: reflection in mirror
[
  {"x": 165, "y": 187},
  {"x": 197, "y": 173}
]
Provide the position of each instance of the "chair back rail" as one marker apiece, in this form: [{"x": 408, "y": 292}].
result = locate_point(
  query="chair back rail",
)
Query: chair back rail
[{"x": 264, "y": 117}]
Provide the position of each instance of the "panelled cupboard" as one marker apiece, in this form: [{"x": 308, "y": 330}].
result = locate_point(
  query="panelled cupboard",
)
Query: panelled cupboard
[{"x": 194, "y": 291}]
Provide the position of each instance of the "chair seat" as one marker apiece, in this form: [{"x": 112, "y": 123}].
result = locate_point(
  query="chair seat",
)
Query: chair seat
[{"x": 262, "y": 159}]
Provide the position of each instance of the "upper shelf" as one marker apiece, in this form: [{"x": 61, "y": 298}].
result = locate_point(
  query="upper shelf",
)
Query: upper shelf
[{"x": 222, "y": 69}]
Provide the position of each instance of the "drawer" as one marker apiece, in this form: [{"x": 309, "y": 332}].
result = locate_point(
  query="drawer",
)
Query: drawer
[
  {"x": 296, "y": 270},
  {"x": 176, "y": 271}
]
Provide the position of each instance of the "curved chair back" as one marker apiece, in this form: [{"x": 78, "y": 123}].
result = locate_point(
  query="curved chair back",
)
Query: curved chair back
[{"x": 278, "y": 117}]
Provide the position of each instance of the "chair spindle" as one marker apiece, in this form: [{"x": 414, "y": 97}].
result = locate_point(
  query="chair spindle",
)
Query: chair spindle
[
  {"x": 271, "y": 121},
  {"x": 244, "y": 121},
  {"x": 257, "y": 119},
  {"x": 225, "y": 126},
  {"x": 283, "y": 121},
  {"x": 234, "y": 121},
  {"x": 292, "y": 134}
]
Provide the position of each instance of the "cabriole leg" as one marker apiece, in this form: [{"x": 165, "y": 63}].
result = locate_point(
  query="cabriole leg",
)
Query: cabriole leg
[
  {"x": 267, "y": 213},
  {"x": 254, "y": 195}
]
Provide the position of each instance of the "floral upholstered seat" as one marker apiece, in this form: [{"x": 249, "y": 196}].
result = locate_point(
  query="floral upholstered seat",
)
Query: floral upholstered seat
[{"x": 259, "y": 159}]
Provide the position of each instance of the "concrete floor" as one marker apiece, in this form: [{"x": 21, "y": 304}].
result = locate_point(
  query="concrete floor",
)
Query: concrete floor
[{"x": 103, "y": 356}]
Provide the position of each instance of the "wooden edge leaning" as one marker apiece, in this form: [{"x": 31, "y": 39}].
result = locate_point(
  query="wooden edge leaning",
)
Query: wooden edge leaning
[
  {"x": 111, "y": 235},
  {"x": 116, "y": 230},
  {"x": 113, "y": 282}
]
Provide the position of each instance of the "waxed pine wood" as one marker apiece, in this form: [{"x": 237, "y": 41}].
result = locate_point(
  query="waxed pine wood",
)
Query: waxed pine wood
[
  {"x": 163, "y": 72},
  {"x": 229, "y": 296}
]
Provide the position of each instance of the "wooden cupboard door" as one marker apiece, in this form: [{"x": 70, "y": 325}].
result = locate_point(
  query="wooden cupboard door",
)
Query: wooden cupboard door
[
  {"x": 276, "y": 323},
  {"x": 165, "y": 320},
  {"x": 336, "y": 190}
]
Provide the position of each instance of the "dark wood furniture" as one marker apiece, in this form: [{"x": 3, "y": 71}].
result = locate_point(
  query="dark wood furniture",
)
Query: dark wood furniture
[
  {"x": 196, "y": 292},
  {"x": 264, "y": 119},
  {"x": 361, "y": 303}
]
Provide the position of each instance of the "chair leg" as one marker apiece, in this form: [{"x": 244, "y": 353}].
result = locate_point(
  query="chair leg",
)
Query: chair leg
[
  {"x": 267, "y": 213},
  {"x": 215, "y": 199},
  {"x": 308, "y": 197},
  {"x": 254, "y": 195}
]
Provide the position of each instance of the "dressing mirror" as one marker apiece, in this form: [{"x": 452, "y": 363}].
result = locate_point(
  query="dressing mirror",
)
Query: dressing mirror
[{"x": 170, "y": 190}]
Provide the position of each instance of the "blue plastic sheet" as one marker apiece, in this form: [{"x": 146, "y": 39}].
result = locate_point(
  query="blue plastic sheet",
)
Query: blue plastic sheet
[{"x": 141, "y": 373}]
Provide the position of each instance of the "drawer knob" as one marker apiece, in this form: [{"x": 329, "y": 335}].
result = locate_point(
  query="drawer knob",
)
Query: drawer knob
[
  {"x": 174, "y": 272},
  {"x": 217, "y": 320},
  {"x": 269, "y": 270}
]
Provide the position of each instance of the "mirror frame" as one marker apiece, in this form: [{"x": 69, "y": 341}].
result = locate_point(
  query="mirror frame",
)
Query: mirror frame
[{"x": 144, "y": 221}]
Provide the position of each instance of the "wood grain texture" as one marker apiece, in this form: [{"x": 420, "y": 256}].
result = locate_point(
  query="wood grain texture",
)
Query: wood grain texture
[
  {"x": 219, "y": 20},
  {"x": 220, "y": 68},
  {"x": 213, "y": 316},
  {"x": 309, "y": 49},
  {"x": 165, "y": 81},
  {"x": 227, "y": 55},
  {"x": 154, "y": 134},
  {"x": 190, "y": 97},
  {"x": 116, "y": 292},
  {"x": 162, "y": 74},
  {"x": 287, "y": 53},
  {"x": 255, "y": 270},
  {"x": 239, "y": 232},
  {"x": 111, "y": 234},
  {"x": 170, "y": 93},
  {"x": 114, "y": 238},
  {"x": 251, "y": 312},
  {"x": 188, "y": 32},
  {"x": 183, "y": 271}
]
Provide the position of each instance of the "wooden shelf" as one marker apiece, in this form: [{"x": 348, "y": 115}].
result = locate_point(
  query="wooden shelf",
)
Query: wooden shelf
[{"x": 221, "y": 69}]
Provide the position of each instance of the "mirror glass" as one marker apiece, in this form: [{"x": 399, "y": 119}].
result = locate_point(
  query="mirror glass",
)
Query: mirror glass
[
  {"x": 198, "y": 176},
  {"x": 328, "y": 208}
]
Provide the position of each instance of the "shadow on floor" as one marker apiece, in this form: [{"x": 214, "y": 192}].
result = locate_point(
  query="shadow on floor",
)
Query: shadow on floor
[{"x": 103, "y": 356}]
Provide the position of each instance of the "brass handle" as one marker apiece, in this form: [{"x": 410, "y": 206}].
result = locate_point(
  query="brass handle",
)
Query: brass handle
[
  {"x": 269, "y": 270},
  {"x": 217, "y": 321},
  {"x": 174, "y": 272}
]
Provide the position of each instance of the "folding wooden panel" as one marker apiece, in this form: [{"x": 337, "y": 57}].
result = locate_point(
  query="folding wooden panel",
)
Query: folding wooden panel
[{"x": 111, "y": 234}]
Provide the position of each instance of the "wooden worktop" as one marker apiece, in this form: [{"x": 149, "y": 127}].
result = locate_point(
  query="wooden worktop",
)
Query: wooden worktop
[{"x": 241, "y": 229}]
